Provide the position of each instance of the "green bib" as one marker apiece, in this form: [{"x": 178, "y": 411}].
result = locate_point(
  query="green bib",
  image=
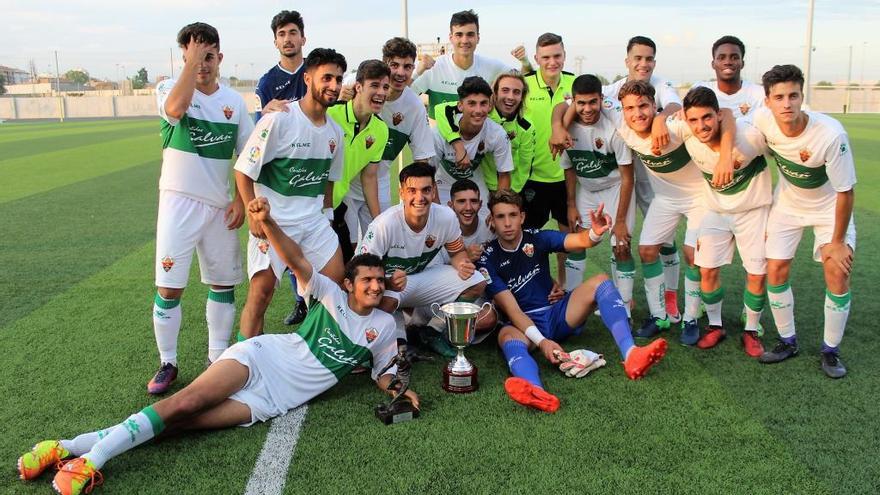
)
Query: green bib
[
  {"x": 329, "y": 344},
  {"x": 799, "y": 175},
  {"x": 741, "y": 178},
  {"x": 296, "y": 176},
  {"x": 206, "y": 139},
  {"x": 668, "y": 163},
  {"x": 592, "y": 164}
]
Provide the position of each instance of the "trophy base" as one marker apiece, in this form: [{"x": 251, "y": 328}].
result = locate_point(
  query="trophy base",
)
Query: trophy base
[
  {"x": 396, "y": 413},
  {"x": 460, "y": 383}
]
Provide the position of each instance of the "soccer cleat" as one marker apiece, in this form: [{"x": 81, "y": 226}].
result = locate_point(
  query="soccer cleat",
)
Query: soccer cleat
[
  {"x": 77, "y": 476},
  {"x": 832, "y": 365},
  {"x": 711, "y": 338},
  {"x": 781, "y": 352},
  {"x": 752, "y": 344},
  {"x": 44, "y": 454},
  {"x": 163, "y": 379},
  {"x": 671, "y": 299},
  {"x": 297, "y": 314},
  {"x": 435, "y": 341},
  {"x": 641, "y": 358},
  {"x": 690, "y": 333},
  {"x": 523, "y": 392},
  {"x": 652, "y": 326}
]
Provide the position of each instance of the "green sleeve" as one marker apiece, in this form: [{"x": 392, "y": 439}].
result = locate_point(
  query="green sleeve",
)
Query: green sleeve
[{"x": 446, "y": 125}]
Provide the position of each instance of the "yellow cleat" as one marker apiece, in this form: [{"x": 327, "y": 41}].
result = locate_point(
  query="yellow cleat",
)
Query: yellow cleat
[
  {"x": 76, "y": 477},
  {"x": 44, "y": 454}
]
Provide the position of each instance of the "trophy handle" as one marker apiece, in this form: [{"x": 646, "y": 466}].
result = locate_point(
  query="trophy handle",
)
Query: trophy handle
[
  {"x": 485, "y": 304},
  {"x": 434, "y": 311}
]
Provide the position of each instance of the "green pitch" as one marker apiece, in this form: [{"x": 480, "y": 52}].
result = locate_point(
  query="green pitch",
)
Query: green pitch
[{"x": 77, "y": 213}]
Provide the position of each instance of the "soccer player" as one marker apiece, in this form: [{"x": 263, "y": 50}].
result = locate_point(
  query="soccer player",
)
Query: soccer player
[
  {"x": 735, "y": 213},
  {"x": 517, "y": 268},
  {"x": 293, "y": 158},
  {"x": 365, "y": 136},
  {"x": 818, "y": 175},
  {"x": 728, "y": 59},
  {"x": 282, "y": 84},
  {"x": 407, "y": 237},
  {"x": 598, "y": 170},
  {"x": 254, "y": 380},
  {"x": 480, "y": 136},
  {"x": 440, "y": 79},
  {"x": 203, "y": 124}
]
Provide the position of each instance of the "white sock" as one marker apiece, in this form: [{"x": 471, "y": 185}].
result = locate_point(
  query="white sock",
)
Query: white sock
[
  {"x": 655, "y": 288},
  {"x": 671, "y": 266},
  {"x": 166, "y": 327},
  {"x": 220, "y": 315},
  {"x": 836, "y": 314},
  {"x": 692, "y": 295},
  {"x": 575, "y": 265},
  {"x": 782, "y": 306},
  {"x": 753, "y": 306},
  {"x": 84, "y": 443},
  {"x": 625, "y": 276},
  {"x": 713, "y": 301},
  {"x": 135, "y": 430}
]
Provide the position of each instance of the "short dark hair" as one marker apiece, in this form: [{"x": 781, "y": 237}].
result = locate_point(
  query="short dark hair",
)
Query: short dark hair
[
  {"x": 641, "y": 40},
  {"x": 463, "y": 185},
  {"x": 365, "y": 259},
  {"x": 586, "y": 84},
  {"x": 700, "y": 96},
  {"x": 322, "y": 56},
  {"x": 372, "y": 69},
  {"x": 780, "y": 74},
  {"x": 286, "y": 17},
  {"x": 548, "y": 39},
  {"x": 464, "y": 17},
  {"x": 474, "y": 85},
  {"x": 416, "y": 169},
  {"x": 729, "y": 40},
  {"x": 505, "y": 196},
  {"x": 198, "y": 32},
  {"x": 638, "y": 88},
  {"x": 399, "y": 47}
]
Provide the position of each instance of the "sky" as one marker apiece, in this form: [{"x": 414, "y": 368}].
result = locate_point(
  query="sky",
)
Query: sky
[{"x": 114, "y": 39}]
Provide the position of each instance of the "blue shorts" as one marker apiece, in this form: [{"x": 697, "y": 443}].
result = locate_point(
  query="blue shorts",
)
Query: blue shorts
[{"x": 551, "y": 321}]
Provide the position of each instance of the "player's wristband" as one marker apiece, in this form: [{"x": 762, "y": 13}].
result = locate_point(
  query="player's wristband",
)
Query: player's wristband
[
  {"x": 596, "y": 238},
  {"x": 534, "y": 335},
  {"x": 328, "y": 213}
]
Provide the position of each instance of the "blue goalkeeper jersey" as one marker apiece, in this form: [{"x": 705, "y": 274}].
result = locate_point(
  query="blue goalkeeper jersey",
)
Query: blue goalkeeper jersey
[
  {"x": 278, "y": 84},
  {"x": 524, "y": 271}
]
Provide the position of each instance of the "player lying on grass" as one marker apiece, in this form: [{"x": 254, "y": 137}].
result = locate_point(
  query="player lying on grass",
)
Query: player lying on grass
[
  {"x": 254, "y": 380},
  {"x": 517, "y": 270}
]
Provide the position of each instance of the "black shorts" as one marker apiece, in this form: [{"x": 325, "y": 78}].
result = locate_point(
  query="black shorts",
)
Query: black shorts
[{"x": 543, "y": 200}]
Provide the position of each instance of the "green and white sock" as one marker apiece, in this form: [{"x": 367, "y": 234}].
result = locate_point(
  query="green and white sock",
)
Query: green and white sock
[
  {"x": 135, "y": 430},
  {"x": 781, "y": 301},
  {"x": 655, "y": 288},
  {"x": 753, "y": 304},
  {"x": 626, "y": 276},
  {"x": 575, "y": 265},
  {"x": 220, "y": 315},
  {"x": 692, "y": 293},
  {"x": 166, "y": 327},
  {"x": 84, "y": 443},
  {"x": 836, "y": 313},
  {"x": 713, "y": 301},
  {"x": 671, "y": 265}
]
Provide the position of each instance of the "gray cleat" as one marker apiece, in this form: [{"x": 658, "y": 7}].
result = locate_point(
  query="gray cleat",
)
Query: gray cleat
[
  {"x": 832, "y": 365},
  {"x": 781, "y": 352}
]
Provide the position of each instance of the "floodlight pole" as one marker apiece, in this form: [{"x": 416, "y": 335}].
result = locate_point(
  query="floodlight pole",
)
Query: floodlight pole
[
  {"x": 405, "y": 25},
  {"x": 171, "y": 59},
  {"x": 809, "y": 53}
]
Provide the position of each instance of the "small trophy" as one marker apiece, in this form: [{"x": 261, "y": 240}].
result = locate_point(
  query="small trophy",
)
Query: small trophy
[
  {"x": 460, "y": 375},
  {"x": 400, "y": 409}
]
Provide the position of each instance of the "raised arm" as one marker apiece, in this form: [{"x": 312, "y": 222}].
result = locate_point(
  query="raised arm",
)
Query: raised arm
[
  {"x": 288, "y": 250},
  {"x": 181, "y": 95}
]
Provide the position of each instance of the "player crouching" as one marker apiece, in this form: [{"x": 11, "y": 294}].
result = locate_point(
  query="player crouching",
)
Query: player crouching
[
  {"x": 517, "y": 270},
  {"x": 254, "y": 380}
]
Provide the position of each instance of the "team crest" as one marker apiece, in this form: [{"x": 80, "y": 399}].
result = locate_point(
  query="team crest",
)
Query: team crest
[
  {"x": 430, "y": 240},
  {"x": 254, "y": 154},
  {"x": 485, "y": 274},
  {"x": 167, "y": 263},
  {"x": 332, "y": 144},
  {"x": 511, "y": 135},
  {"x": 599, "y": 143},
  {"x": 397, "y": 118},
  {"x": 227, "y": 112},
  {"x": 529, "y": 249},
  {"x": 263, "y": 246},
  {"x": 264, "y": 134},
  {"x": 805, "y": 155},
  {"x": 842, "y": 148},
  {"x": 567, "y": 97},
  {"x": 607, "y": 104},
  {"x": 481, "y": 147},
  {"x": 744, "y": 108},
  {"x": 371, "y": 334},
  {"x": 737, "y": 164},
  {"x": 369, "y": 141}
]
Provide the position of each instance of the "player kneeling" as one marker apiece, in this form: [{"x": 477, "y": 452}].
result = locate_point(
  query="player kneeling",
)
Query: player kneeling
[
  {"x": 517, "y": 270},
  {"x": 254, "y": 380}
]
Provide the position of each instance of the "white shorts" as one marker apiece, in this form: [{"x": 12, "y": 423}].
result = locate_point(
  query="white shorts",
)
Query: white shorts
[
  {"x": 663, "y": 217},
  {"x": 357, "y": 216},
  {"x": 589, "y": 200},
  {"x": 384, "y": 187},
  {"x": 315, "y": 237},
  {"x": 784, "y": 231},
  {"x": 186, "y": 224},
  {"x": 435, "y": 284},
  {"x": 719, "y": 231},
  {"x": 642, "y": 188}
]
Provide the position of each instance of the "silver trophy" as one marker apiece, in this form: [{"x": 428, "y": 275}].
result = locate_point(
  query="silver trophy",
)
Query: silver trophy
[{"x": 460, "y": 375}]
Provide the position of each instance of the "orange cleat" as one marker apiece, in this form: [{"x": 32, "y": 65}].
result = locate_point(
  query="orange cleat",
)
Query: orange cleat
[
  {"x": 711, "y": 338},
  {"x": 44, "y": 454},
  {"x": 76, "y": 477},
  {"x": 670, "y": 298},
  {"x": 640, "y": 359},
  {"x": 752, "y": 344},
  {"x": 522, "y": 391}
]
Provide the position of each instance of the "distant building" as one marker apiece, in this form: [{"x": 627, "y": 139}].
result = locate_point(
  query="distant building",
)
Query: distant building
[{"x": 14, "y": 76}]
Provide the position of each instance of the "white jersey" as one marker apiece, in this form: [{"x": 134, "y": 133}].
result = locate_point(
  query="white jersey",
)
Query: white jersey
[
  {"x": 665, "y": 92},
  {"x": 441, "y": 81},
  {"x": 672, "y": 173},
  {"x": 392, "y": 239},
  {"x": 751, "y": 186},
  {"x": 491, "y": 140},
  {"x": 197, "y": 148},
  {"x": 597, "y": 150},
  {"x": 290, "y": 160},
  {"x": 813, "y": 166},
  {"x": 742, "y": 103}
]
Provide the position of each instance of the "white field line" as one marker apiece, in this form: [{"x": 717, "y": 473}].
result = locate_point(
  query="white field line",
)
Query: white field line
[{"x": 270, "y": 471}]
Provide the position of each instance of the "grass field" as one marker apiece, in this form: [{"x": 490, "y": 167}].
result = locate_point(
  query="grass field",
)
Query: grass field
[{"x": 77, "y": 213}]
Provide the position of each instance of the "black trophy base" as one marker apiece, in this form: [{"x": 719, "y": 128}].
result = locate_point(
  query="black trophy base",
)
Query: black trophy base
[{"x": 397, "y": 412}]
